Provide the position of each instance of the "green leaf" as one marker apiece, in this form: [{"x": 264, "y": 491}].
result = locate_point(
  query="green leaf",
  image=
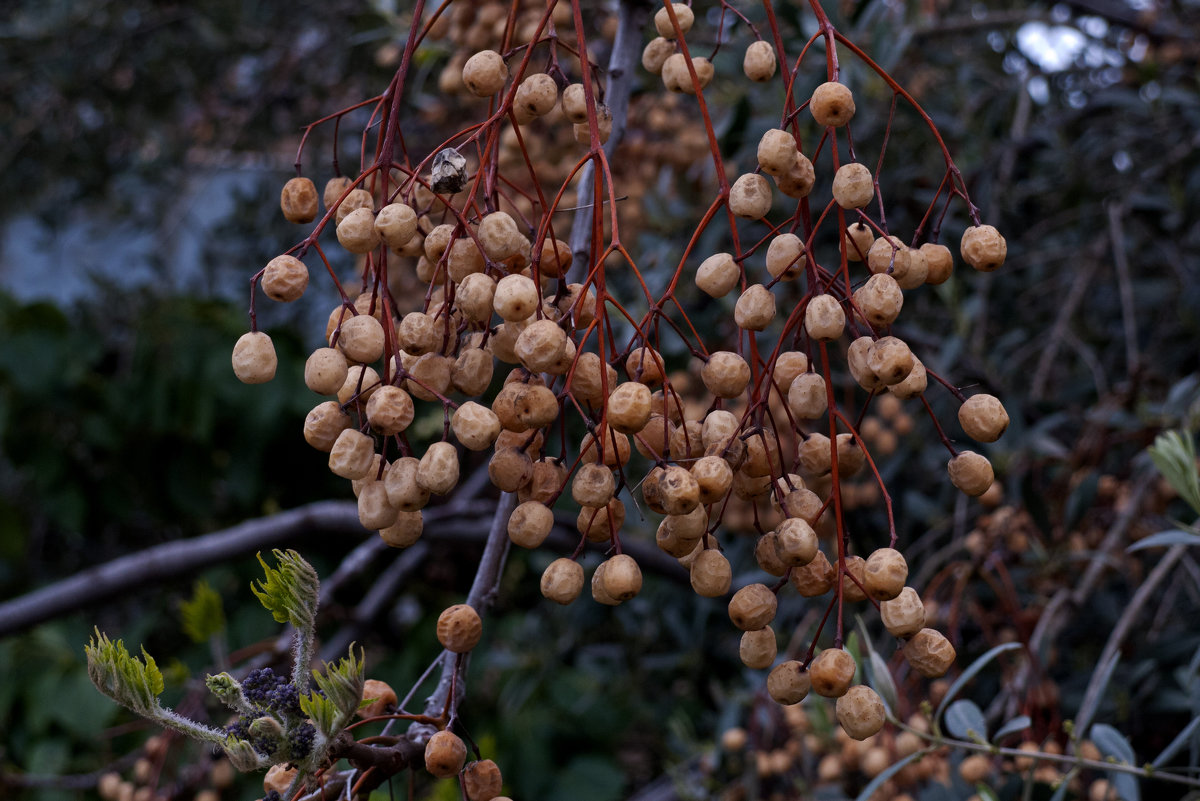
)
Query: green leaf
[
  {"x": 291, "y": 592},
  {"x": 965, "y": 721},
  {"x": 131, "y": 682},
  {"x": 342, "y": 685},
  {"x": 1174, "y": 454},
  {"x": 322, "y": 711},
  {"x": 202, "y": 615},
  {"x": 1112, "y": 743},
  {"x": 1018, "y": 724}
]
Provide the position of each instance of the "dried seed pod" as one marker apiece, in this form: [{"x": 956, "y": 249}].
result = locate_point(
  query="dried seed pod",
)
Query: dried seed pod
[
  {"x": 474, "y": 297},
  {"x": 499, "y": 236},
  {"x": 381, "y": 696},
  {"x": 645, "y": 364},
  {"x": 655, "y": 54},
  {"x": 815, "y": 578},
  {"x": 684, "y": 16},
  {"x": 755, "y": 308},
  {"x": 285, "y": 277},
  {"x": 459, "y": 628},
  {"x": 889, "y": 255},
  {"x": 914, "y": 384},
  {"x": 725, "y": 374},
  {"x": 472, "y": 372},
  {"x": 604, "y": 124},
  {"x": 711, "y": 574},
  {"x": 800, "y": 178},
  {"x": 804, "y": 504},
  {"x": 622, "y": 577},
  {"x": 593, "y": 485},
  {"x": 510, "y": 469},
  {"x": 474, "y": 425},
  {"x": 541, "y": 345},
  {"x": 850, "y": 455},
  {"x": 788, "y": 366},
  {"x": 789, "y": 682},
  {"x": 983, "y": 248},
  {"x": 983, "y": 417},
  {"x": 939, "y": 261},
  {"x": 323, "y": 425},
  {"x": 325, "y": 371},
  {"x": 586, "y": 384},
  {"x": 858, "y": 240},
  {"x": 890, "y": 359},
  {"x": 971, "y": 472},
  {"x": 401, "y": 483},
  {"x": 758, "y": 648},
  {"x": 485, "y": 73},
  {"x": 714, "y": 477},
  {"x": 832, "y": 672},
  {"x": 796, "y": 542},
  {"x": 679, "y": 491},
  {"x": 885, "y": 574},
  {"x": 390, "y": 411},
  {"x": 904, "y": 615},
  {"x": 776, "y": 152},
  {"x": 361, "y": 339},
  {"x": 530, "y": 523},
  {"x": 853, "y": 185},
  {"x": 419, "y": 333},
  {"x": 356, "y": 233},
  {"x": 750, "y": 197},
  {"x": 465, "y": 258},
  {"x": 574, "y": 103},
  {"x": 718, "y": 275},
  {"x": 753, "y": 607},
  {"x": 767, "y": 557},
  {"x": 562, "y": 581},
  {"x": 334, "y": 189},
  {"x": 298, "y": 200},
  {"x": 254, "y": 359},
  {"x": 852, "y": 580},
  {"x": 918, "y": 270},
  {"x": 759, "y": 62},
  {"x": 356, "y": 199},
  {"x": 808, "y": 397},
  {"x": 880, "y": 300},
  {"x": 598, "y": 525},
  {"x": 445, "y": 754},
  {"x": 786, "y": 257},
  {"x": 815, "y": 457},
  {"x": 832, "y": 104},
  {"x": 824, "y": 318},
  {"x": 516, "y": 297},
  {"x": 614, "y": 454},
  {"x": 860, "y": 712},
  {"x": 429, "y": 376},
  {"x": 857, "y": 359},
  {"x": 438, "y": 471},
  {"x": 396, "y": 224},
  {"x": 929, "y": 653},
  {"x": 352, "y": 454}
]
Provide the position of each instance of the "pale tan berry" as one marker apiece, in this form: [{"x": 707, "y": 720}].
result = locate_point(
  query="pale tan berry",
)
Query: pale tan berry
[
  {"x": 482, "y": 781},
  {"x": 352, "y": 454},
  {"x": 853, "y": 186},
  {"x": 474, "y": 425},
  {"x": 890, "y": 359},
  {"x": 832, "y": 672},
  {"x": 254, "y": 359},
  {"x": 356, "y": 199},
  {"x": 465, "y": 258},
  {"x": 858, "y": 361},
  {"x": 323, "y": 425},
  {"x": 499, "y": 236},
  {"x": 541, "y": 345},
  {"x": 804, "y": 504},
  {"x": 759, "y": 62},
  {"x": 679, "y": 491},
  {"x": 918, "y": 270},
  {"x": 593, "y": 485},
  {"x": 656, "y": 53},
  {"x": 983, "y": 248},
  {"x": 645, "y": 364},
  {"x": 904, "y": 615},
  {"x": 914, "y": 384},
  {"x": 789, "y": 682},
  {"x": 885, "y": 574},
  {"x": 852, "y": 579},
  {"x": 776, "y": 152},
  {"x": 472, "y": 371},
  {"x": 516, "y": 297},
  {"x": 858, "y": 239},
  {"x": 939, "y": 262},
  {"x": 929, "y": 653},
  {"x": 880, "y": 300},
  {"x": 807, "y": 397},
  {"x": 889, "y": 255},
  {"x": 684, "y": 16},
  {"x": 711, "y": 574},
  {"x": 530, "y": 523},
  {"x": 404, "y": 492},
  {"x": 758, "y": 648},
  {"x": 975, "y": 768},
  {"x": 598, "y": 525},
  {"x": 390, "y": 411},
  {"x": 445, "y": 754},
  {"x": 725, "y": 374},
  {"x": 396, "y": 224},
  {"x": 629, "y": 407},
  {"x": 795, "y": 542},
  {"x": 815, "y": 456},
  {"x": 832, "y": 104},
  {"x": 438, "y": 472},
  {"x": 405, "y": 531},
  {"x": 824, "y": 319},
  {"x": 753, "y": 607},
  {"x": 485, "y": 73},
  {"x": 622, "y": 577},
  {"x": 604, "y": 124},
  {"x": 574, "y": 103},
  {"x": 510, "y": 469},
  {"x": 375, "y": 512},
  {"x": 298, "y": 200},
  {"x": 537, "y": 94},
  {"x": 357, "y": 233},
  {"x": 474, "y": 297},
  {"x": 799, "y": 179},
  {"x": 334, "y": 189},
  {"x": 750, "y": 197},
  {"x": 713, "y": 476},
  {"x": 860, "y": 712},
  {"x": 815, "y": 578},
  {"x": 459, "y": 628},
  {"x": 786, "y": 257},
  {"x": 788, "y": 365},
  {"x": 285, "y": 278},
  {"x": 562, "y": 581},
  {"x": 718, "y": 275},
  {"x": 971, "y": 472},
  {"x": 279, "y": 778},
  {"x": 983, "y": 418},
  {"x": 755, "y": 308},
  {"x": 599, "y": 592},
  {"x": 361, "y": 339}
]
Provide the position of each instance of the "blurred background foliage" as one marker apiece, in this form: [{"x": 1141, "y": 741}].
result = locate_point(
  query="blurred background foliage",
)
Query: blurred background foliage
[{"x": 142, "y": 145}]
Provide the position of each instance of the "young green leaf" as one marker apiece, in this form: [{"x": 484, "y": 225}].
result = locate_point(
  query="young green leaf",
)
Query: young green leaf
[
  {"x": 202, "y": 615},
  {"x": 290, "y": 593},
  {"x": 1174, "y": 454}
]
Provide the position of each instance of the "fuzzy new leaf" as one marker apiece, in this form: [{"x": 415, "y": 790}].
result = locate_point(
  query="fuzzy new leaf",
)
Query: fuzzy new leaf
[
  {"x": 202, "y": 615},
  {"x": 290, "y": 593},
  {"x": 1174, "y": 454},
  {"x": 229, "y": 691},
  {"x": 342, "y": 684},
  {"x": 131, "y": 682},
  {"x": 323, "y": 713}
]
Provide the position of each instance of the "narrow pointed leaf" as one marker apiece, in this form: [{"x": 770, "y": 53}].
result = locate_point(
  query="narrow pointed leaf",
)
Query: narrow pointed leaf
[
  {"x": 1017, "y": 724},
  {"x": 965, "y": 721}
]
